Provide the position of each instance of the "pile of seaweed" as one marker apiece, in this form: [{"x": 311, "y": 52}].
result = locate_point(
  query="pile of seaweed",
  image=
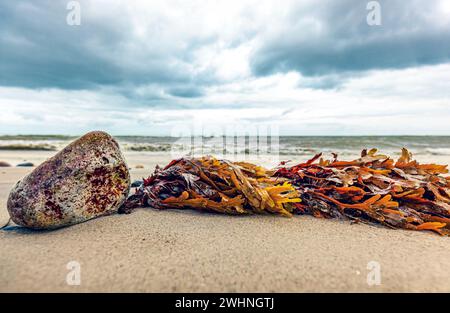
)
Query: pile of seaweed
[{"x": 372, "y": 189}]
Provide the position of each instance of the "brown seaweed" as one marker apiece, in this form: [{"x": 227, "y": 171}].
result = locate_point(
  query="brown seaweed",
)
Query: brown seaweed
[
  {"x": 372, "y": 189},
  {"x": 215, "y": 185}
]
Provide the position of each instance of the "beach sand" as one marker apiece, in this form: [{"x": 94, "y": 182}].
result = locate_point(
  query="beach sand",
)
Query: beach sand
[{"x": 186, "y": 251}]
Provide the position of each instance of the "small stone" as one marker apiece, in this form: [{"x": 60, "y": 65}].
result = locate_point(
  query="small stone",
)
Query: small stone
[
  {"x": 87, "y": 179},
  {"x": 25, "y": 164},
  {"x": 139, "y": 166},
  {"x": 4, "y": 164},
  {"x": 136, "y": 184}
]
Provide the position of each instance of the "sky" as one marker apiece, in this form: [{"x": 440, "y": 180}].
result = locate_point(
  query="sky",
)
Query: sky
[{"x": 154, "y": 67}]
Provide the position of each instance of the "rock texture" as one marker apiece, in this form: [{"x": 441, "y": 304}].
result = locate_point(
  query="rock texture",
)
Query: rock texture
[{"x": 87, "y": 179}]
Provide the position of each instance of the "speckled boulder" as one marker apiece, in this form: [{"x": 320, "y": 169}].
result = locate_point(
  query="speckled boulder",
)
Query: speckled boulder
[{"x": 87, "y": 179}]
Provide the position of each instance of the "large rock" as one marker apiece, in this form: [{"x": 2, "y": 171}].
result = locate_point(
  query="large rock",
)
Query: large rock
[{"x": 87, "y": 179}]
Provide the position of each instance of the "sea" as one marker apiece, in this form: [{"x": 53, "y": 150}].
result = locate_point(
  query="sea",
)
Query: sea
[{"x": 301, "y": 146}]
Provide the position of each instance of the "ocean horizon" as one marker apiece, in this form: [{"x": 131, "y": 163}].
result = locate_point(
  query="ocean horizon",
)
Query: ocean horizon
[{"x": 285, "y": 145}]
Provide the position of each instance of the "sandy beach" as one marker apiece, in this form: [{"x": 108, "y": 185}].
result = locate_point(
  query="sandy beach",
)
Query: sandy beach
[{"x": 187, "y": 251}]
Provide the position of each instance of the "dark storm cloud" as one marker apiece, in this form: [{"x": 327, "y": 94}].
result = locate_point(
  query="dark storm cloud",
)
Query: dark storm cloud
[
  {"x": 324, "y": 41},
  {"x": 38, "y": 50},
  {"x": 330, "y": 37}
]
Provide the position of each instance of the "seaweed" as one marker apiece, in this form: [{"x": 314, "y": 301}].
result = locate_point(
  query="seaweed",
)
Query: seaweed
[
  {"x": 215, "y": 185},
  {"x": 373, "y": 189}
]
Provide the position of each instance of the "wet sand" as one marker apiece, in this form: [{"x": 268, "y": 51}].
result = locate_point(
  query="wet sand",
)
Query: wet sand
[{"x": 175, "y": 250}]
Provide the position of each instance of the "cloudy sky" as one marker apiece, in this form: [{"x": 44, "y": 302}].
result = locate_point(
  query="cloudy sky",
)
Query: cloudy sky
[{"x": 149, "y": 67}]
